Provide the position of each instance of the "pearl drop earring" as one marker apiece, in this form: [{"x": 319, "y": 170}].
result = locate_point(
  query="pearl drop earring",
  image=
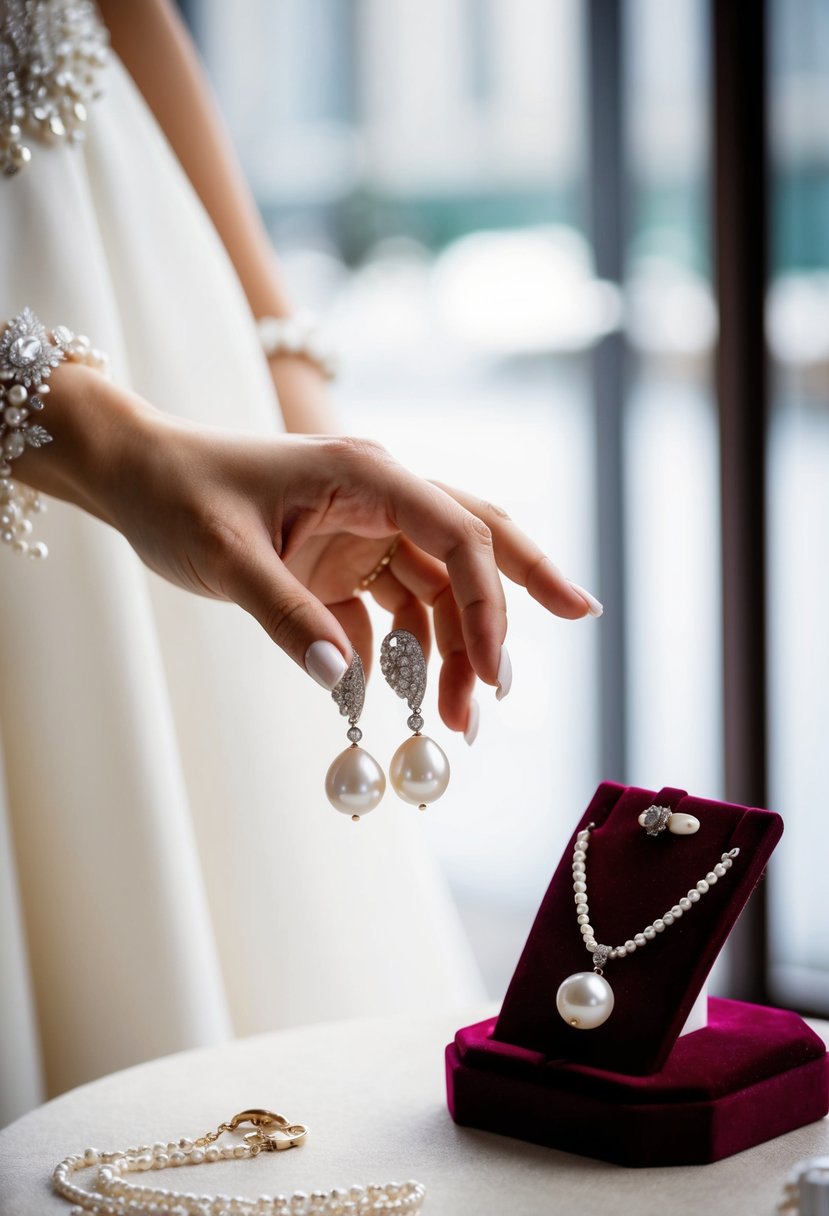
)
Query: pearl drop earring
[
  {"x": 354, "y": 784},
  {"x": 419, "y": 770}
]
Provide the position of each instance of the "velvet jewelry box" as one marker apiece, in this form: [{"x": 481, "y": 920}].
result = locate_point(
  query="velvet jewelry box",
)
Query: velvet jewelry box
[{"x": 635, "y": 1090}]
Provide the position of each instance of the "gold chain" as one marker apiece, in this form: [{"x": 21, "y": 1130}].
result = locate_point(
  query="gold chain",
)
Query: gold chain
[{"x": 273, "y": 1132}]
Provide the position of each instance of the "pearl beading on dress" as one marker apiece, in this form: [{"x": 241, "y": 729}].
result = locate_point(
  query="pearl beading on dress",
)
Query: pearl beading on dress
[
  {"x": 52, "y": 53},
  {"x": 601, "y": 953},
  {"x": 28, "y": 356},
  {"x": 113, "y": 1195}
]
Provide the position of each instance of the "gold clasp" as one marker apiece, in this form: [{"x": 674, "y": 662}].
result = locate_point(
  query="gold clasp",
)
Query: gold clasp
[
  {"x": 259, "y": 1118},
  {"x": 273, "y": 1132}
]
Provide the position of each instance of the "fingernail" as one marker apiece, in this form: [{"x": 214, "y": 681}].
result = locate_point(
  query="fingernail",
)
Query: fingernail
[
  {"x": 325, "y": 664},
  {"x": 504, "y": 677},
  {"x": 593, "y": 605},
  {"x": 472, "y": 722}
]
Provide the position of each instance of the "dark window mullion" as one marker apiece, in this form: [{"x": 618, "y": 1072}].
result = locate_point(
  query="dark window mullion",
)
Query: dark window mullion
[
  {"x": 608, "y": 234},
  {"x": 741, "y": 244}
]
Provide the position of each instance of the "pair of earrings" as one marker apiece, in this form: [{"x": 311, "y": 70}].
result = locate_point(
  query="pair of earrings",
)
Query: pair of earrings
[{"x": 419, "y": 770}]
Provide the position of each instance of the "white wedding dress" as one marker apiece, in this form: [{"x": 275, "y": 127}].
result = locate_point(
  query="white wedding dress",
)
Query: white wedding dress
[{"x": 170, "y": 871}]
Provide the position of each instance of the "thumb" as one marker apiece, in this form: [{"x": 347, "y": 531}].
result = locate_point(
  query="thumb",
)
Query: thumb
[{"x": 291, "y": 616}]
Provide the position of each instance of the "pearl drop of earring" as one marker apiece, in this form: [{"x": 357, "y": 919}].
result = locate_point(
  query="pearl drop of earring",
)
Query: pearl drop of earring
[
  {"x": 419, "y": 771},
  {"x": 355, "y": 783}
]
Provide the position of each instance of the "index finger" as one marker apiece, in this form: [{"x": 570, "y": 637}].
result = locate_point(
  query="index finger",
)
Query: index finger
[{"x": 523, "y": 562}]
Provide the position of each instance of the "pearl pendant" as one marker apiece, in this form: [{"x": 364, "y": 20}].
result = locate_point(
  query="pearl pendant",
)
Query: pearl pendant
[
  {"x": 419, "y": 771},
  {"x": 585, "y": 1000},
  {"x": 355, "y": 783}
]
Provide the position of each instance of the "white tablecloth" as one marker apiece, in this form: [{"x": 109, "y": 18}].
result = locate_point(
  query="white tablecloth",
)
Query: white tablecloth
[{"x": 372, "y": 1093}]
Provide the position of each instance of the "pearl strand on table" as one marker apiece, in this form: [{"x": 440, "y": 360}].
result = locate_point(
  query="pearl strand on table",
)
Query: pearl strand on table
[{"x": 115, "y": 1196}]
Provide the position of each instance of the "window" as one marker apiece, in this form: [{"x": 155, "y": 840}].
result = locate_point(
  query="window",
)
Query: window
[{"x": 504, "y": 209}]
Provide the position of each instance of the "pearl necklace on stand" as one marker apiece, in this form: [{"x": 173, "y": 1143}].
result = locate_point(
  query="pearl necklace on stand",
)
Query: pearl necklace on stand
[
  {"x": 113, "y": 1195},
  {"x": 585, "y": 999}
]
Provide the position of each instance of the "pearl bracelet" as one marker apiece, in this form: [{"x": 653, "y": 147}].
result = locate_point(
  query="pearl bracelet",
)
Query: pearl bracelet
[
  {"x": 28, "y": 355},
  {"x": 299, "y": 334},
  {"x": 113, "y": 1195}
]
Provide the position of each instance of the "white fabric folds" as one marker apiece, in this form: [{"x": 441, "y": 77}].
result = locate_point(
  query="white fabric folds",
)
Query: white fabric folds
[{"x": 170, "y": 872}]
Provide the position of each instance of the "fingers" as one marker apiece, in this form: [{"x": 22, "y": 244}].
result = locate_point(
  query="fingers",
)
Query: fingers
[
  {"x": 457, "y": 679},
  {"x": 408, "y": 612},
  {"x": 428, "y": 581},
  {"x": 293, "y": 618},
  {"x": 438, "y": 525},
  {"x": 521, "y": 560},
  {"x": 355, "y": 620}
]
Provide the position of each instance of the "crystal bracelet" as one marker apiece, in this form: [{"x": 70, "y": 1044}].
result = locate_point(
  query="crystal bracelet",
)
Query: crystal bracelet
[
  {"x": 112, "y": 1195},
  {"x": 299, "y": 334},
  {"x": 28, "y": 356}
]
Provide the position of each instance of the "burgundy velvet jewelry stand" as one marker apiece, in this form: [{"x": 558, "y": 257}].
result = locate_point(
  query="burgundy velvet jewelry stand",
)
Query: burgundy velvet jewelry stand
[{"x": 633, "y": 1091}]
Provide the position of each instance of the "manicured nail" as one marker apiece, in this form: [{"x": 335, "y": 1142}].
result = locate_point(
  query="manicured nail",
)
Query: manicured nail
[
  {"x": 593, "y": 605},
  {"x": 504, "y": 677},
  {"x": 325, "y": 664},
  {"x": 472, "y": 722}
]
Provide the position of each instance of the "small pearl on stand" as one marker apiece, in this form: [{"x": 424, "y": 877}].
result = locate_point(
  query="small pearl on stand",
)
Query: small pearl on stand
[
  {"x": 419, "y": 771},
  {"x": 681, "y": 824},
  {"x": 355, "y": 783}
]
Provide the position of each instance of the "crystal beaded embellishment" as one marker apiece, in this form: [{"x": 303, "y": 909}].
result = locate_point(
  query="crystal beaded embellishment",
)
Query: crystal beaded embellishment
[
  {"x": 404, "y": 667},
  {"x": 350, "y": 693},
  {"x": 27, "y": 352},
  {"x": 52, "y": 53},
  {"x": 655, "y": 819},
  {"x": 601, "y": 955}
]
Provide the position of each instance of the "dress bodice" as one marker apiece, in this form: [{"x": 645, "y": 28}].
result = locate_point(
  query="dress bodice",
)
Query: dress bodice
[{"x": 52, "y": 53}]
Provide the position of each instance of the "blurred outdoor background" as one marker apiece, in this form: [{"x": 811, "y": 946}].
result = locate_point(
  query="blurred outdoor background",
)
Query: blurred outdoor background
[{"x": 426, "y": 169}]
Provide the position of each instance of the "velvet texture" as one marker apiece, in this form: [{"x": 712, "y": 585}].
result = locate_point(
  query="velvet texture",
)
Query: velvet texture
[
  {"x": 752, "y": 1074},
  {"x": 632, "y": 879}
]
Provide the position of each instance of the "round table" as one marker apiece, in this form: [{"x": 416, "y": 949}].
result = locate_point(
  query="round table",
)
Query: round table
[{"x": 372, "y": 1093}]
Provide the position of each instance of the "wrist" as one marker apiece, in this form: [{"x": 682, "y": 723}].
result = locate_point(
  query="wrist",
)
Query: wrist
[
  {"x": 304, "y": 396},
  {"x": 95, "y": 426},
  {"x": 29, "y": 353},
  {"x": 301, "y": 334}
]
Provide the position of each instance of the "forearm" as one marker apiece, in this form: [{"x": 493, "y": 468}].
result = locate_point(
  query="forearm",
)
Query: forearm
[{"x": 150, "y": 39}]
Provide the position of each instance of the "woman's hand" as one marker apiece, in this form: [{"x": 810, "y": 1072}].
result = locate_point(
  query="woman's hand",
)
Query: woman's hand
[{"x": 288, "y": 528}]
